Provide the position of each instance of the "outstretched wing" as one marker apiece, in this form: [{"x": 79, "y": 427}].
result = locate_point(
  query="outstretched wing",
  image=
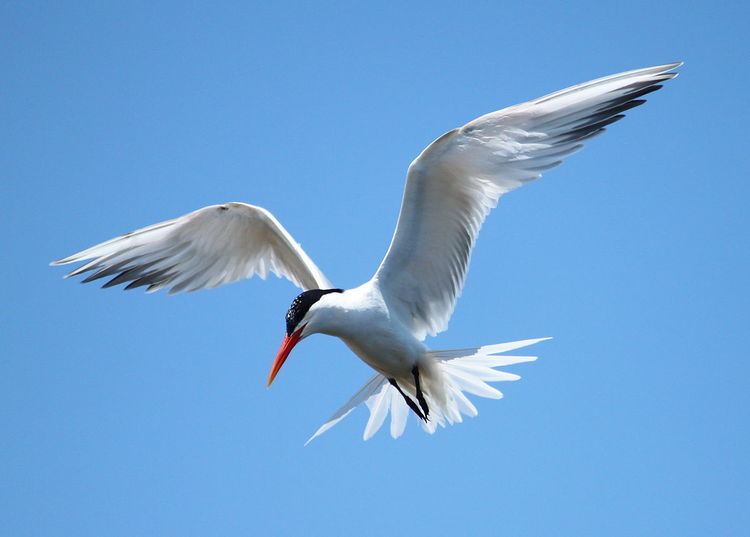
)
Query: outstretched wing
[
  {"x": 209, "y": 247},
  {"x": 459, "y": 178}
]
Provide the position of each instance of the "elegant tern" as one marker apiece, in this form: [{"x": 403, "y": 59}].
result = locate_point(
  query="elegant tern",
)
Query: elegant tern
[{"x": 450, "y": 188}]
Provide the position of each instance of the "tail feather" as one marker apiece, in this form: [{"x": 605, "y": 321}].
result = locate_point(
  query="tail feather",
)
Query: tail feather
[
  {"x": 460, "y": 371},
  {"x": 364, "y": 394},
  {"x": 379, "y": 405}
]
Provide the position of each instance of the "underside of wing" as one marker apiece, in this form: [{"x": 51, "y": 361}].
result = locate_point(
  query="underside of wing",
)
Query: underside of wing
[
  {"x": 459, "y": 178},
  {"x": 209, "y": 247}
]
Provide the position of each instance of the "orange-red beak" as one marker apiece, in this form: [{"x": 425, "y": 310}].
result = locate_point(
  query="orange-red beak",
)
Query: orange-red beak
[{"x": 286, "y": 347}]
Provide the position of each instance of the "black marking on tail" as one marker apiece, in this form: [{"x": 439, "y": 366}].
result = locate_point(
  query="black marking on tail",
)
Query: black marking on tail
[{"x": 408, "y": 400}]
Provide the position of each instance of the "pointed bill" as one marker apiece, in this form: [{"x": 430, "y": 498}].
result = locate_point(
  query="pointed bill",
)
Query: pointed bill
[{"x": 286, "y": 347}]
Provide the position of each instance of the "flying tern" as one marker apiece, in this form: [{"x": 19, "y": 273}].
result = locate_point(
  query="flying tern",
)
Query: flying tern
[{"x": 450, "y": 189}]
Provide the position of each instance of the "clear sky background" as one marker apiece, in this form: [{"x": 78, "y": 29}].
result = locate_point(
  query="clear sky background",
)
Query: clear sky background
[{"x": 125, "y": 414}]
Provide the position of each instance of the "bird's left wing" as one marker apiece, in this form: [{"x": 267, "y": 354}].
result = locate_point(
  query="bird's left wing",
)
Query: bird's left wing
[
  {"x": 459, "y": 178},
  {"x": 209, "y": 247}
]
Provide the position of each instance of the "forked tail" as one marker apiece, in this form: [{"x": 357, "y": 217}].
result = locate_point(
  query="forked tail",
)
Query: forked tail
[{"x": 461, "y": 371}]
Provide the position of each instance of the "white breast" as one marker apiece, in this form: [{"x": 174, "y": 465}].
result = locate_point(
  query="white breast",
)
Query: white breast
[{"x": 361, "y": 319}]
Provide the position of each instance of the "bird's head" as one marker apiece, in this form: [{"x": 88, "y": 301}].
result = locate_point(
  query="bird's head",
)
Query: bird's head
[{"x": 300, "y": 323}]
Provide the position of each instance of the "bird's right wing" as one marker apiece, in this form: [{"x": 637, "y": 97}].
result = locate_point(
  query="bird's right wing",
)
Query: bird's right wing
[
  {"x": 459, "y": 178},
  {"x": 209, "y": 247}
]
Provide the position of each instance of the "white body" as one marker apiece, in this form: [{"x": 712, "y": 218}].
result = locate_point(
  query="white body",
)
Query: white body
[
  {"x": 451, "y": 187},
  {"x": 360, "y": 318}
]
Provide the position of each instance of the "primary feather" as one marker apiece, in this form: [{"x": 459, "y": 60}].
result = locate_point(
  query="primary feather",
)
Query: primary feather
[
  {"x": 209, "y": 247},
  {"x": 455, "y": 182}
]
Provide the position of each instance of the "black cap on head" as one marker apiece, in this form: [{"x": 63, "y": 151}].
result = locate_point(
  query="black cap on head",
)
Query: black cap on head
[{"x": 301, "y": 305}]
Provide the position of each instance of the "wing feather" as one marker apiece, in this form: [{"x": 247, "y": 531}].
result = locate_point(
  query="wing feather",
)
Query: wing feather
[
  {"x": 209, "y": 247},
  {"x": 458, "y": 179}
]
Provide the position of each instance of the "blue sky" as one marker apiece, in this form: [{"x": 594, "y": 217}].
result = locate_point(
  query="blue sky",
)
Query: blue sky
[{"x": 129, "y": 414}]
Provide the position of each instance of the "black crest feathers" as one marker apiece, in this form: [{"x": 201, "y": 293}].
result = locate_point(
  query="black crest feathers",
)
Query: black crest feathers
[{"x": 301, "y": 305}]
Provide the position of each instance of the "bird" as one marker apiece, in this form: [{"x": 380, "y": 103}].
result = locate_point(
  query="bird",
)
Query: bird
[{"x": 451, "y": 187}]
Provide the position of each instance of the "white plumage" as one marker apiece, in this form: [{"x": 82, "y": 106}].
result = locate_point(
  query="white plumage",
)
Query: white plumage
[
  {"x": 209, "y": 247},
  {"x": 450, "y": 189},
  {"x": 465, "y": 370},
  {"x": 459, "y": 178}
]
